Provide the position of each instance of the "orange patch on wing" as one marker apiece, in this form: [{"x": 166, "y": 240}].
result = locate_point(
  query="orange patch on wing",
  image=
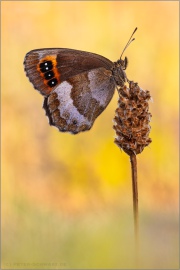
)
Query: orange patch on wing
[{"x": 51, "y": 58}]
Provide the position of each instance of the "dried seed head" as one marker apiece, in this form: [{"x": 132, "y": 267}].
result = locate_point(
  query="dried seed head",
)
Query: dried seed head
[{"x": 132, "y": 119}]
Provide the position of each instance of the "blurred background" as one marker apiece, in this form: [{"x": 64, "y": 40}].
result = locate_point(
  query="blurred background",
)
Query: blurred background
[{"x": 67, "y": 199}]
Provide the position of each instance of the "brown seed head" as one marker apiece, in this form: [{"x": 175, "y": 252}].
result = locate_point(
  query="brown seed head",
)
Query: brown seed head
[{"x": 132, "y": 119}]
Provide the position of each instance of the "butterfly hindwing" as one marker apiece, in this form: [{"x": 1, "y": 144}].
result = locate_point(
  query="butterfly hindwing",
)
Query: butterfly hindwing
[{"x": 76, "y": 102}]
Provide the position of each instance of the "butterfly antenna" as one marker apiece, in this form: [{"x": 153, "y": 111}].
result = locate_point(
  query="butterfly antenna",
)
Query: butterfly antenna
[{"x": 129, "y": 42}]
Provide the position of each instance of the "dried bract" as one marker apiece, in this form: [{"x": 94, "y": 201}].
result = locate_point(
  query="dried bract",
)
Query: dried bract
[{"x": 132, "y": 119}]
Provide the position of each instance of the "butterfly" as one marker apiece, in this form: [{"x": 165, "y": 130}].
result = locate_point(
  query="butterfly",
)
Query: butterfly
[{"x": 77, "y": 86}]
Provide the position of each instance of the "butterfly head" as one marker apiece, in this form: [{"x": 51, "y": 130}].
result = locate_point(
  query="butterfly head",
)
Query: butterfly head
[
  {"x": 123, "y": 63},
  {"x": 118, "y": 71}
]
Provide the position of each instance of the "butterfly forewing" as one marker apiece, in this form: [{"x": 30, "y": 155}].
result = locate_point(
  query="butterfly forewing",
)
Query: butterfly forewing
[{"x": 46, "y": 68}]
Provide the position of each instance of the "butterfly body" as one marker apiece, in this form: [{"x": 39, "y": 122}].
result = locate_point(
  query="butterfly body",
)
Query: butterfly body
[{"x": 77, "y": 85}]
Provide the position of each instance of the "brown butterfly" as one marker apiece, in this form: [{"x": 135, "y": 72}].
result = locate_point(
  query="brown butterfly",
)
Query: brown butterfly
[{"x": 77, "y": 85}]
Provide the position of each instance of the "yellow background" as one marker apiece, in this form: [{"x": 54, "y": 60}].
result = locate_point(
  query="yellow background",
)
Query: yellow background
[{"x": 67, "y": 199}]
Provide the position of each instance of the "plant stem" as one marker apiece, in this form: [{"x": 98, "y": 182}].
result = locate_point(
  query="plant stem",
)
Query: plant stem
[{"x": 135, "y": 200}]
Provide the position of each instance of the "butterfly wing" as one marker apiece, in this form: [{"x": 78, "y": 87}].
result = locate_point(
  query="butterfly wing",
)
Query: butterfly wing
[
  {"x": 46, "y": 68},
  {"x": 76, "y": 102}
]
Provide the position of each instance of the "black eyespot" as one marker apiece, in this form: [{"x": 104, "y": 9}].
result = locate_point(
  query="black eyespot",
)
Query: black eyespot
[
  {"x": 74, "y": 122},
  {"x": 48, "y": 75},
  {"x": 52, "y": 82},
  {"x": 46, "y": 66}
]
